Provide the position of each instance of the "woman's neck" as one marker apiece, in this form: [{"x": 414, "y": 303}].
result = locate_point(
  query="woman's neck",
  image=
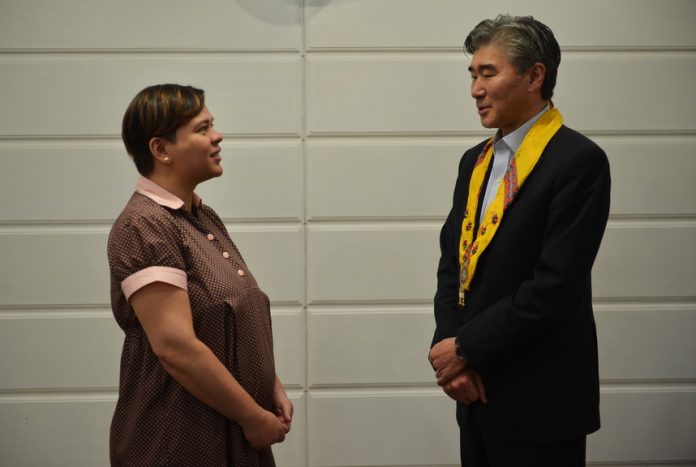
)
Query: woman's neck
[{"x": 175, "y": 187}]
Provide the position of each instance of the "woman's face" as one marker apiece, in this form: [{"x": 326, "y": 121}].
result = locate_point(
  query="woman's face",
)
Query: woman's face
[{"x": 196, "y": 152}]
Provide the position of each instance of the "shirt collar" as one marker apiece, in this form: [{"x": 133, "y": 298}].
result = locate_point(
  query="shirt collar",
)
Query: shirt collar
[
  {"x": 514, "y": 139},
  {"x": 159, "y": 195}
]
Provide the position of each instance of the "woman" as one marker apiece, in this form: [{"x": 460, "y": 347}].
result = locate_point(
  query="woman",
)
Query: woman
[{"x": 198, "y": 384}]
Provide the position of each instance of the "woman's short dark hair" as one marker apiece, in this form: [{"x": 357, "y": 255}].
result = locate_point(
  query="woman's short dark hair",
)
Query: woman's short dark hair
[
  {"x": 157, "y": 111},
  {"x": 524, "y": 41}
]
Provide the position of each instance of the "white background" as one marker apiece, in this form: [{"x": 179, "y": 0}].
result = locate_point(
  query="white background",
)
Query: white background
[{"x": 344, "y": 123}]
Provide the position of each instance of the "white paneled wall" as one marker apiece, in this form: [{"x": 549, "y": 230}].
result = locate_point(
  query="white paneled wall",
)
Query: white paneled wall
[{"x": 344, "y": 123}]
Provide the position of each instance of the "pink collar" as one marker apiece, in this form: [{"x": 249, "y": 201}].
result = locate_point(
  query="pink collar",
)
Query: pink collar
[{"x": 159, "y": 195}]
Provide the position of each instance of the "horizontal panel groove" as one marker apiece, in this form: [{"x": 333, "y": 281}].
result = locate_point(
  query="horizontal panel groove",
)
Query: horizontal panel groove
[
  {"x": 276, "y": 303},
  {"x": 659, "y": 218},
  {"x": 465, "y": 137},
  {"x": 375, "y": 392},
  {"x": 672, "y": 219},
  {"x": 283, "y": 223},
  {"x": 61, "y": 311},
  {"x": 419, "y": 389},
  {"x": 314, "y": 134},
  {"x": 429, "y": 50},
  {"x": 229, "y": 138},
  {"x": 606, "y": 386},
  {"x": 370, "y": 303},
  {"x": 338, "y": 307},
  {"x": 14, "y": 311},
  {"x": 318, "y": 135},
  {"x": 648, "y": 385},
  {"x": 352, "y": 224},
  {"x": 628, "y": 49},
  {"x": 468, "y": 140},
  {"x": 635, "y": 304},
  {"x": 68, "y": 310},
  {"x": 641, "y": 463},
  {"x": 151, "y": 51},
  {"x": 295, "y": 388},
  {"x": 375, "y": 220},
  {"x": 81, "y": 226},
  {"x": 279, "y": 310},
  {"x": 379, "y": 223},
  {"x": 597, "y": 298},
  {"x": 62, "y": 227},
  {"x": 648, "y": 133},
  {"x": 610, "y": 387},
  {"x": 16, "y": 307},
  {"x": 58, "y": 395},
  {"x": 253, "y": 225},
  {"x": 91, "y": 395},
  {"x": 652, "y": 222},
  {"x": 639, "y": 52},
  {"x": 401, "y": 309},
  {"x": 29, "y": 138},
  {"x": 378, "y": 389},
  {"x": 459, "y": 50},
  {"x": 168, "y": 52},
  {"x": 47, "y": 137},
  {"x": 415, "y": 307},
  {"x": 262, "y": 223}
]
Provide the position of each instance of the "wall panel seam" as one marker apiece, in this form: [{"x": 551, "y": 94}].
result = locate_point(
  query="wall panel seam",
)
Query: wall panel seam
[{"x": 459, "y": 50}]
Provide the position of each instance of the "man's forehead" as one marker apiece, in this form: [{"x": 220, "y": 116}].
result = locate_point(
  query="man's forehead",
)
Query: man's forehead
[{"x": 487, "y": 56}]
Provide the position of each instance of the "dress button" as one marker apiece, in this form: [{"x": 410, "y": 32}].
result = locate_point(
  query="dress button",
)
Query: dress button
[
  {"x": 211, "y": 237},
  {"x": 225, "y": 254},
  {"x": 240, "y": 272}
]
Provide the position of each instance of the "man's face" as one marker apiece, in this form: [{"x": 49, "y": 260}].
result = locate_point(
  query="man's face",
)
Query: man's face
[{"x": 504, "y": 98}]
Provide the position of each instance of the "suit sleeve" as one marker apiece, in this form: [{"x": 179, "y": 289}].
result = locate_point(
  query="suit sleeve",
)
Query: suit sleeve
[
  {"x": 446, "y": 296},
  {"x": 577, "y": 216}
]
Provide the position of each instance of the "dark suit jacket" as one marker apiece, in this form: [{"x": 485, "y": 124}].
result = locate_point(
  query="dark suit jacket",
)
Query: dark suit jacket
[{"x": 527, "y": 326}]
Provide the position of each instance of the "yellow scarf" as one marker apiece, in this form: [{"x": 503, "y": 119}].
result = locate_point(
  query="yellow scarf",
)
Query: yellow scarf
[{"x": 521, "y": 165}]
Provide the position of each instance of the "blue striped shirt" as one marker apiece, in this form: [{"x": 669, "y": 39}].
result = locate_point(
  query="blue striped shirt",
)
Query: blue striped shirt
[{"x": 503, "y": 150}]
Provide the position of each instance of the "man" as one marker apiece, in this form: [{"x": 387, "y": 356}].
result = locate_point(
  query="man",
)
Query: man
[{"x": 515, "y": 341}]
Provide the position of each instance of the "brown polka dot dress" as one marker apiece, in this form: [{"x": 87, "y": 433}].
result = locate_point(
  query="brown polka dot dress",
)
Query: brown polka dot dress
[{"x": 157, "y": 422}]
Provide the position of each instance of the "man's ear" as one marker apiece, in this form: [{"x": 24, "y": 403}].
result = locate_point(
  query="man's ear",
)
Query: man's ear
[
  {"x": 537, "y": 74},
  {"x": 158, "y": 148}
]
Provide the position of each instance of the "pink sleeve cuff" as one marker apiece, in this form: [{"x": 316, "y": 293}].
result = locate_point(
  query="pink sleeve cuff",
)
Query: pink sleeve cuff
[{"x": 140, "y": 279}]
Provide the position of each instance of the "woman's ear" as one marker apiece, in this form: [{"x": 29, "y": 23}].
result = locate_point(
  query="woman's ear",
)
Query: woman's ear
[{"x": 158, "y": 148}]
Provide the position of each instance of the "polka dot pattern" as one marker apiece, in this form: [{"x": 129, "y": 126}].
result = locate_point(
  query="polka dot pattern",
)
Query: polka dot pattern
[{"x": 157, "y": 422}]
